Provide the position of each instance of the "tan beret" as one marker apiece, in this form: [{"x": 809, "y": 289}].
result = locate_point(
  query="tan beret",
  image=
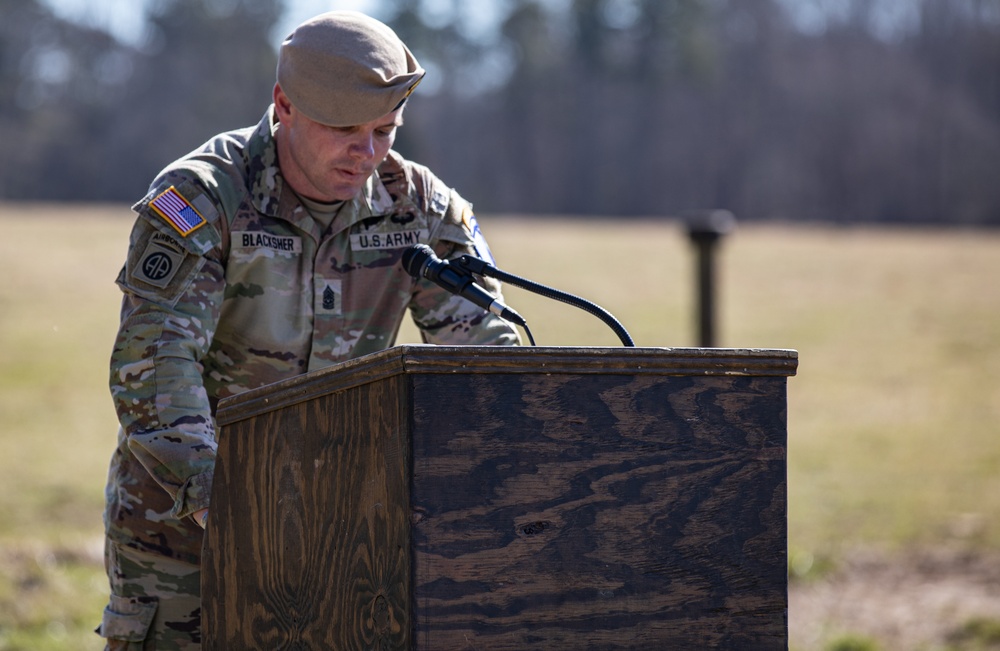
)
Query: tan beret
[{"x": 343, "y": 68}]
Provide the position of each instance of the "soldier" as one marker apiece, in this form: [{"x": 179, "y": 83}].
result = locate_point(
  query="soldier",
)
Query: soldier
[{"x": 266, "y": 253}]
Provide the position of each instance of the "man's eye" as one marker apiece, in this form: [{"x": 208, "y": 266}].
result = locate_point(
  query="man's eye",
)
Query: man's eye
[{"x": 385, "y": 132}]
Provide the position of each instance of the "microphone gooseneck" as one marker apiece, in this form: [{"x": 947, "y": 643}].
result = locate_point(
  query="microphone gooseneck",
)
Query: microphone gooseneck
[
  {"x": 472, "y": 264},
  {"x": 457, "y": 277}
]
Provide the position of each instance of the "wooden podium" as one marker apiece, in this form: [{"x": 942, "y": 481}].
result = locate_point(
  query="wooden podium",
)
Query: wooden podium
[{"x": 480, "y": 497}]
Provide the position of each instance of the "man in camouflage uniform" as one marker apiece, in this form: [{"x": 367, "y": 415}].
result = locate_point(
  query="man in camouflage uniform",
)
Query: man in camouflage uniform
[{"x": 266, "y": 253}]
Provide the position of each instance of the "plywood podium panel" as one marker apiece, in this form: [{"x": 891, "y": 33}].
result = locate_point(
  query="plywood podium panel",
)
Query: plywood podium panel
[{"x": 505, "y": 498}]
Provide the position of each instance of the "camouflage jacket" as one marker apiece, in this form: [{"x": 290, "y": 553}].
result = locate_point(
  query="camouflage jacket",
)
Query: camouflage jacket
[{"x": 230, "y": 284}]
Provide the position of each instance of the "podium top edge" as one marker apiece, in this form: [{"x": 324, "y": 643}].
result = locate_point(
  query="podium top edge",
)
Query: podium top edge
[
  {"x": 425, "y": 358},
  {"x": 416, "y": 355},
  {"x": 475, "y": 360}
]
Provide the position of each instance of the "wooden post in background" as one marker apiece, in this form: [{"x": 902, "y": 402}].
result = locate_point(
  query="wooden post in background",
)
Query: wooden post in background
[{"x": 705, "y": 229}]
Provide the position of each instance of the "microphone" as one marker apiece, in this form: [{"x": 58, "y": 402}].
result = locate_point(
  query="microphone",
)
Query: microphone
[{"x": 420, "y": 262}]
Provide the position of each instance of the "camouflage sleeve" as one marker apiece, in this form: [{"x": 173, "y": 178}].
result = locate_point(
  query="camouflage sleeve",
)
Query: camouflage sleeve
[
  {"x": 444, "y": 318},
  {"x": 173, "y": 287}
]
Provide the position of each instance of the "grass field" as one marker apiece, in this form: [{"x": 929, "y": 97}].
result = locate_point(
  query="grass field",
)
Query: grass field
[{"x": 892, "y": 417}]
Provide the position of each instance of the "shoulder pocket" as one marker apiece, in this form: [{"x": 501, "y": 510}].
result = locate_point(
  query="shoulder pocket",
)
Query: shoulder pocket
[
  {"x": 128, "y": 619},
  {"x": 162, "y": 261},
  {"x": 169, "y": 217},
  {"x": 159, "y": 267}
]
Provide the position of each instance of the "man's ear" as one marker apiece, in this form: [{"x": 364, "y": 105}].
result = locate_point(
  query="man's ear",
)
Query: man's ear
[{"x": 282, "y": 105}]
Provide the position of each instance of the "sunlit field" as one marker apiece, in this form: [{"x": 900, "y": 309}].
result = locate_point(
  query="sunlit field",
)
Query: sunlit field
[{"x": 893, "y": 437}]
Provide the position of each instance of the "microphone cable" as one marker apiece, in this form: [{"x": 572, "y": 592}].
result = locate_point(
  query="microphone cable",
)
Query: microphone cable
[{"x": 476, "y": 265}]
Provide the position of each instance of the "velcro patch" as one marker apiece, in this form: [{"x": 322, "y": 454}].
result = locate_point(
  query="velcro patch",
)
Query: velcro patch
[
  {"x": 329, "y": 297},
  {"x": 439, "y": 201},
  {"x": 389, "y": 240},
  {"x": 158, "y": 264},
  {"x": 262, "y": 240},
  {"x": 175, "y": 209},
  {"x": 478, "y": 241}
]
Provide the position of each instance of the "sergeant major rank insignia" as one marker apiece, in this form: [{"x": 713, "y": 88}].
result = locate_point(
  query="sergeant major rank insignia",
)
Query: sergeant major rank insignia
[{"x": 175, "y": 209}]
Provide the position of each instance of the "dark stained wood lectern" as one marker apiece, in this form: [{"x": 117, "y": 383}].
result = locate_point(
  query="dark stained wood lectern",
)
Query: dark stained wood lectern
[{"x": 505, "y": 498}]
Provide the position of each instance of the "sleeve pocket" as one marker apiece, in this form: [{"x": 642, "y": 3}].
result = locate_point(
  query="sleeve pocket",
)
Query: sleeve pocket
[{"x": 128, "y": 619}]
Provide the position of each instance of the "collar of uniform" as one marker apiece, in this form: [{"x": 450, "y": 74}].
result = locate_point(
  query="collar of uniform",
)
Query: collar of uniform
[
  {"x": 264, "y": 181},
  {"x": 372, "y": 200}
]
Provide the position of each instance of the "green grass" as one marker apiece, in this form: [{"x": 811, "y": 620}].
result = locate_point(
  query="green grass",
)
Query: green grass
[
  {"x": 58, "y": 307},
  {"x": 853, "y": 643},
  {"x": 892, "y": 416},
  {"x": 978, "y": 634}
]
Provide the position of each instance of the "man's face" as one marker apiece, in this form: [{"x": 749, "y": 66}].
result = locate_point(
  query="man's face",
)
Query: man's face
[{"x": 330, "y": 163}]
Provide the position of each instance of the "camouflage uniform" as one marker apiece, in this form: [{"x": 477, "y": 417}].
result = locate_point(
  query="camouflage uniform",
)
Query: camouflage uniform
[{"x": 256, "y": 292}]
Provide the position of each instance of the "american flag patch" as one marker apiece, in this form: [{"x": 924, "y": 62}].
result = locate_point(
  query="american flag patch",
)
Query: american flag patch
[{"x": 177, "y": 211}]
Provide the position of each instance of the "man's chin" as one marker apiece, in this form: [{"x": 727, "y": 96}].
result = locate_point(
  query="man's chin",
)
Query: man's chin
[{"x": 347, "y": 189}]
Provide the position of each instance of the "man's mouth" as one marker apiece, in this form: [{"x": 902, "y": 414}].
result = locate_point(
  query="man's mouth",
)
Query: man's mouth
[{"x": 349, "y": 173}]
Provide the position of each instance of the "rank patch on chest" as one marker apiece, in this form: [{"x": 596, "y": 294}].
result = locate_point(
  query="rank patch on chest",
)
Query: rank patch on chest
[
  {"x": 329, "y": 297},
  {"x": 388, "y": 240},
  {"x": 177, "y": 212}
]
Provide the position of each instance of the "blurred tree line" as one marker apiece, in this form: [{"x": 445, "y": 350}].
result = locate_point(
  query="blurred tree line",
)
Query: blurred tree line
[
  {"x": 620, "y": 107},
  {"x": 84, "y": 117}
]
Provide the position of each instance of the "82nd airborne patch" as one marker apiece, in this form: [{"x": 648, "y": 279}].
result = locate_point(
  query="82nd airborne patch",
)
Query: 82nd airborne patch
[{"x": 159, "y": 262}]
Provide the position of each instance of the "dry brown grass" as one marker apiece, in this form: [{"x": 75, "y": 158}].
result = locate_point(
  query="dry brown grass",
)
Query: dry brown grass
[{"x": 893, "y": 452}]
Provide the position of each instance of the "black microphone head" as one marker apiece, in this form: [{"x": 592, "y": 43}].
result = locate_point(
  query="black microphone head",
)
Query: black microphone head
[{"x": 415, "y": 257}]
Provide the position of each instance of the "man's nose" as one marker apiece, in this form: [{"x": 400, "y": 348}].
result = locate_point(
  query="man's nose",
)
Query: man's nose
[{"x": 363, "y": 145}]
